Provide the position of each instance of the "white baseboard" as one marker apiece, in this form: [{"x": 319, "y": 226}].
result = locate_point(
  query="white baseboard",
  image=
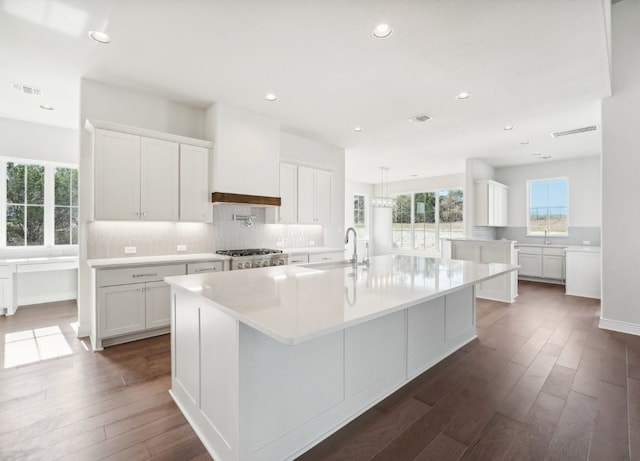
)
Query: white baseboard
[{"x": 622, "y": 327}]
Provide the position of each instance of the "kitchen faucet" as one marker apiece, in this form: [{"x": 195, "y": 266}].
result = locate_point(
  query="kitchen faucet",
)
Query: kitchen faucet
[
  {"x": 546, "y": 238},
  {"x": 354, "y": 259}
]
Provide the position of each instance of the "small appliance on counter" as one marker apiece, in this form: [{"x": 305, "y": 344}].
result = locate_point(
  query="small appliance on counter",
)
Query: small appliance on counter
[{"x": 256, "y": 257}]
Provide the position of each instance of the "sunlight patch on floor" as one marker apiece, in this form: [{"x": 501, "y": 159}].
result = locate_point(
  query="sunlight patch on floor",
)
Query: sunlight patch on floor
[{"x": 29, "y": 346}]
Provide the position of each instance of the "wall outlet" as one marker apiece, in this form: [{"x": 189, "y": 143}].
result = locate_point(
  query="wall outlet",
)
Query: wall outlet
[
  {"x": 129, "y": 250},
  {"x": 182, "y": 248},
  {"x": 586, "y": 242}
]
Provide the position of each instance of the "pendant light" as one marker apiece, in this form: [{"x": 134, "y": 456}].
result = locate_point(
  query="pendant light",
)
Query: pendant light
[{"x": 384, "y": 201}]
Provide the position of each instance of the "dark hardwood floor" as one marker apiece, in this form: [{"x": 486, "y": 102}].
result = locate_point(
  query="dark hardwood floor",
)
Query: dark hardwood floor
[{"x": 541, "y": 382}]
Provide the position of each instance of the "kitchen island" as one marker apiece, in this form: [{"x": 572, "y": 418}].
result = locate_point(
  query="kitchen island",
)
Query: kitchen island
[{"x": 268, "y": 362}]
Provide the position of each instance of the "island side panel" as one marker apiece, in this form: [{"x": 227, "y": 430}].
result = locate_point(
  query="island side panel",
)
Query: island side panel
[{"x": 204, "y": 372}]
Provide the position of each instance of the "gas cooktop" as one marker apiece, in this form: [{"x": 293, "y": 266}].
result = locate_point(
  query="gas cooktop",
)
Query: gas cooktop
[{"x": 249, "y": 252}]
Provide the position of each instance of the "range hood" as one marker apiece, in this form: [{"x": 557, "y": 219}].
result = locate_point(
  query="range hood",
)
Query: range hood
[
  {"x": 245, "y": 167},
  {"x": 219, "y": 198}
]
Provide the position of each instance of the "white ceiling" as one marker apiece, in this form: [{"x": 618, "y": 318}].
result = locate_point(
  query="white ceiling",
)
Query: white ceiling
[{"x": 540, "y": 66}]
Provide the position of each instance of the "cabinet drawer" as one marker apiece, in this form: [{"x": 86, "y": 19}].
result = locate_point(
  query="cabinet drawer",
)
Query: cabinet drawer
[
  {"x": 317, "y": 258},
  {"x": 553, "y": 251},
  {"x": 123, "y": 276},
  {"x": 530, "y": 250},
  {"x": 298, "y": 259},
  {"x": 210, "y": 266}
]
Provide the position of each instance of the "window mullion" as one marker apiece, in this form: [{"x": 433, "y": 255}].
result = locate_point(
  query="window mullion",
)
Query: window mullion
[
  {"x": 49, "y": 203},
  {"x": 3, "y": 204}
]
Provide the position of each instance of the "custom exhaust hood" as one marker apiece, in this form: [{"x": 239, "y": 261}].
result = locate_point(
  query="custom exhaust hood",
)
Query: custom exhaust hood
[{"x": 245, "y": 167}]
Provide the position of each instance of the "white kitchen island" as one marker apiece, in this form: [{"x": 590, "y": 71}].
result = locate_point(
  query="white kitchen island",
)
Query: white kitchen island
[{"x": 268, "y": 362}]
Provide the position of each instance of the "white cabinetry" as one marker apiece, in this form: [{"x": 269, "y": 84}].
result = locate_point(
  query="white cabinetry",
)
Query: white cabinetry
[
  {"x": 299, "y": 259},
  {"x": 6, "y": 290},
  {"x": 503, "y": 288},
  {"x": 541, "y": 262},
  {"x": 195, "y": 202},
  {"x": 491, "y": 203},
  {"x": 135, "y": 177},
  {"x": 288, "y": 212},
  {"x": 132, "y": 303},
  {"x": 324, "y": 257},
  {"x": 210, "y": 266},
  {"x": 314, "y": 196},
  {"x": 583, "y": 272}
]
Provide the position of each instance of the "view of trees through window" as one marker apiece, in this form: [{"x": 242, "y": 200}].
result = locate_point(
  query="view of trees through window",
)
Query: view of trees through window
[
  {"x": 422, "y": 219},
  {"x": 359, "y": 216},
  {"x": 548, "y": 206},
  {"x": 41, "y": 205}
]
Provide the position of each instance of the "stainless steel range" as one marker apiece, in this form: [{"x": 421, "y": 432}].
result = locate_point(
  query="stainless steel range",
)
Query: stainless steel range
[{"x": 257, "y": 257}]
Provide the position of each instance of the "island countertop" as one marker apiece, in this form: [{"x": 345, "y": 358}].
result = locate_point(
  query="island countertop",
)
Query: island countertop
[{"x": 293, "y": 304}]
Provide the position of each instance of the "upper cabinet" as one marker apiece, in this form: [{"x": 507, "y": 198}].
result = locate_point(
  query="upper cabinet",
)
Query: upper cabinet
[
  {"x": 150, "y": 178},
  {"x": 306, "y": 196},
  {"x": 491, "y": 203}
]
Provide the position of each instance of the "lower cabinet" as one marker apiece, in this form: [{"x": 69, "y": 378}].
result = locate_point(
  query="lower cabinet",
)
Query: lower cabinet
[
  {"x": 541, "y": 262},
  {"x": 324, "y": 257},
  {"x": 5, "y": 292}
]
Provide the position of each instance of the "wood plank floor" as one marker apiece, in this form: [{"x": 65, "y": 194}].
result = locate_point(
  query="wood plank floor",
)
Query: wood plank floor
[{"x": 541, "y": 382}]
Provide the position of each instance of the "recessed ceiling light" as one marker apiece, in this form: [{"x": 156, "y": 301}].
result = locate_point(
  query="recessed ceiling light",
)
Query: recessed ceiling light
[
  {"x": 99, "y": 37},
  {"x": 536, "y": 153},
  {"x": 414, "y": 175},
  {"x": 545, "y": 157},
  {"x": 357, "y": 129},
  {"x": 508, "y": 128},
  {"x": 382, "y": 31},
  {"x": 46, "y": 107},
  {"x": 463, "y": 95},
  {"x": 270, "y": 97},
  {"x": 525, "y": 142},
  {"x": 420, "y": 118}
]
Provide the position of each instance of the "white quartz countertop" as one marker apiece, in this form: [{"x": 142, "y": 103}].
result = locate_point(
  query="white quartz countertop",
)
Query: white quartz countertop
[
  {"x": 583, "y": 249},
  {"x": 293, "y": 304},
  {"x": 144, "y": 260},
  {"x": 311, "y": 250},
  {"x": 38, "y": 260}
]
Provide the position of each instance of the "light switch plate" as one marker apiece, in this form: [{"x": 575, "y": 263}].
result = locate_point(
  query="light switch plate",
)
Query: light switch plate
[
  {"x": 129, "y": 250},
  {"x": 181, "y": 248}
]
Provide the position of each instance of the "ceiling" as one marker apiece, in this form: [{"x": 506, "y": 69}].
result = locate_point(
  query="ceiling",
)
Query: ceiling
[{"x": 540, "y": 66}]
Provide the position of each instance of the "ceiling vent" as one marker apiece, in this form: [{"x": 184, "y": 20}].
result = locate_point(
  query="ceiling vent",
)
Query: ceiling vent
[
  {"x": 420, "y": 118},
  {"x": 585, "y": 129},
  {"x": 27, "y": 89}
]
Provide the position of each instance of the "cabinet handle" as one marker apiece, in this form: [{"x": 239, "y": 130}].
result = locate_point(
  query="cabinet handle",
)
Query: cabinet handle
[
  {"x": 326, "y": 258},
  {"x": 206, "y": 269},
  {"x": 135, "y": 276}
]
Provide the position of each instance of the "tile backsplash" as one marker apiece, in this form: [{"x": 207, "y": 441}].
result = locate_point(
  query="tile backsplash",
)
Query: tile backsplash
[{"x": 108, "y": 239}]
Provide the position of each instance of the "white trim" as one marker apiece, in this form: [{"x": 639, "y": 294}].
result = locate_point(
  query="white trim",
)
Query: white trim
[
  {"x": 528, "y": 209},
  {"x": 622, "y": 327}
]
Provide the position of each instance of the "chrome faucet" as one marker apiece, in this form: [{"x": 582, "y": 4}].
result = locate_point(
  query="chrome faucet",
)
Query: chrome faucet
[
  {"x": 354, "y": 259},
  {"x": 546, "y": 238}
]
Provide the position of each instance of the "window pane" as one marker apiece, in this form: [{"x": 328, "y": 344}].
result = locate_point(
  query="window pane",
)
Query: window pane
[
  {"x": 74, "y": 187},
  {"x": 15, "y": 225},
  {"x": 62, "y": 186},
  {"x": 74, "y": 226},
  {"x": 451, "y": 213},
  {"x": 35, "y": 225},
  {"x": 35, "y": 185},
  {"x": 15, "y": 183},
  {"x": 401, "y": 218},
  {"x": 425, "y": 221},
  {"x": 549, "y": 206},
  {"x": 63, "y": 225}
]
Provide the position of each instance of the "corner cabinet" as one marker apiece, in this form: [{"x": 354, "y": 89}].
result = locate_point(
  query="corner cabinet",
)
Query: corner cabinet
[
  {"x": 150, "y": 176},
  {"x": 491, "y": 204}
]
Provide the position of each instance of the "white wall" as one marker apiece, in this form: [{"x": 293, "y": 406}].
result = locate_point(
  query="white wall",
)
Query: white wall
[
  {"x": 38, "y": 142},
  {"x": 99, "y": 101},
  {"x": 620, "y": 167},
  {"x": 584, "y": 189},
  {"x": 304, "y": 151}
]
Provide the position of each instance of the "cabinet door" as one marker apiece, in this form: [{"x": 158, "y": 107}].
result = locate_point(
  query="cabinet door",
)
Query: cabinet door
[
  {"x": 195, "y": 202},
  {"x": 298, "y": 259},
  {"x": 306, "y": 195},
  {"x": 553, "y": 267},
  {"x": 531, "y": 265},
  {"x": 5, "y": 290},
  {"x": 121, "y": 309},
  {"x": 481, "y": 204},
  {"x": 288, "y": 213},
  {"x": 325, "y": 257},
  {"x": 158, "y": 304},
  {"x": 210, "y": 266},
  {"x": 117, "y": 175},
  {"x": 323, "y": 196},
  {"x": 159, "y": 176}
]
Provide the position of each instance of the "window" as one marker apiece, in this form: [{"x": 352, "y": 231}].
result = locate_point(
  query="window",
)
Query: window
[
  {"x": 548, "y": 205},
  {"x": 38, "y": 204},
  {"x": 422, "y": 219},
  {"x": 359, "y": 215}
]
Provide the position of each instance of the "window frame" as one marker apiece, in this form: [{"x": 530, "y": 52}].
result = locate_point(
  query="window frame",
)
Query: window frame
[
  {"x": 49, "y": 202},
  {"x": 412, "y": 195},
  {"x": 529, "y": 233}
]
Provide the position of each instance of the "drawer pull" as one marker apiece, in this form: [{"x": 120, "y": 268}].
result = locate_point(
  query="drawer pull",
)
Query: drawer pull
[
  {"x": 135, "y": 276},
  {"x": 326, "y": 258},
  {"x": 206, "y": 269}
]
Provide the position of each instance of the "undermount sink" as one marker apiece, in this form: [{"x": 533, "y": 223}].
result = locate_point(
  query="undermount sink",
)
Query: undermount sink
[{"x": 330, "y": 265}]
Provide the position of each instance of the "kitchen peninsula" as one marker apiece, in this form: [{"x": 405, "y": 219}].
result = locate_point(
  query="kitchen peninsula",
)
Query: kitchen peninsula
[{"x": 268, "y": 362}]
